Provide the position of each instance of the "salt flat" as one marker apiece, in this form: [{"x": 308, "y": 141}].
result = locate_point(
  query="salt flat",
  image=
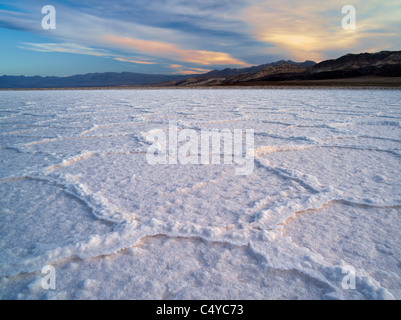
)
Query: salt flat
[{"x": 321, "y": 208}]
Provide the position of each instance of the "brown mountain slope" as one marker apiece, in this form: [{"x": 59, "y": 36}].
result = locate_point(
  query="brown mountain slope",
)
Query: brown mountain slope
[{"x": 381, "y": 64}]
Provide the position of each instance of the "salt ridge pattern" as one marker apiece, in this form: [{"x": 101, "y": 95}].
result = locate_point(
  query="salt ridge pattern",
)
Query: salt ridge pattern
[{"x": 78, "y": 194}]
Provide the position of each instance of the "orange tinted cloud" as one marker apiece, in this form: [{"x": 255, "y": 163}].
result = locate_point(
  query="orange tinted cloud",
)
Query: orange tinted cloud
[
  {"x": 295, "y": 27},
  {"x": 193, "y": 71},
  {"x": 174, "y": 52},
  {"x": 133, "y": 61},
  {"x": 311, "y": 29}
]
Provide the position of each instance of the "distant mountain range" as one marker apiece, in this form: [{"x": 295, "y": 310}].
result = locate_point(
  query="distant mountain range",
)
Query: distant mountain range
[
  {"x": 381, "y": 64},
  {"x": 107, "y": 79}
]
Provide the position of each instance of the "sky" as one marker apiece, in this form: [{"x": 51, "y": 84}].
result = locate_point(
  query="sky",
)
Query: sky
[{"x": 186, "y": 37}]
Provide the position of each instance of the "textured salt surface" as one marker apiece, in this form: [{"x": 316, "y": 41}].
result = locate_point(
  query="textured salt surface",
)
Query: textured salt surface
[{"x": 78, "y": 193}]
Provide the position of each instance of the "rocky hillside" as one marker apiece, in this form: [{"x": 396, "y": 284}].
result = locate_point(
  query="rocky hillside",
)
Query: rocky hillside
[
  {"x": 236, "y": 76},
  {"x": 382, "y": 64},
  {"x": 385, "y": 64}
]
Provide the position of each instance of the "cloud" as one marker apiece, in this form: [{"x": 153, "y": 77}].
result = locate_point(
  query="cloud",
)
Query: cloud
[
  {"x": 64, "y": 47},
  {"x": 184, "y": 70},
  {"x": 133, "y": 61},
  {"x": 16, "y": 20},
  {"x": 202, "y": 33},
  {"x": 172, "y": 51},
  {"x": 110, "y": 27},
  {"x": 76, "y": 49},
  {"x": 312, "y": 29}
]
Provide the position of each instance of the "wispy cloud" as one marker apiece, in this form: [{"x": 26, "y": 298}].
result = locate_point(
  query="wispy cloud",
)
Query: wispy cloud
[
  {"x": 186, "y": 36},
  {"x": 77, "y": 49},
  {"x": 79, "y": 30},
  {"x": 64, "y": 47},
  {"x": 173, "y": 51},
  {"x": 183, "y": 70},
  {"x": 133, "y": 61},
  {"x": 312, "y": 29}
]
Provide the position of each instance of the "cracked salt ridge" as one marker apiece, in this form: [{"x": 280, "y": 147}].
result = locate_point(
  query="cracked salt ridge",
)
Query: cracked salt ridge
[
  {"x": 277, "y": 213},
  {"x": 326, "y": 273},
  {"x": 287, "y": 256},
  {"x": 265, "y": 150},
  {"x": 163, "y": 191},
  {"x": 197, "y": 270},
  {"x": 357, "y": 222},
  {"x": 89, "y": 154},
  {"x": 143, "y": 231},
  {"x": 37, "y": 227},
  {"x": 377, "y": 189},
  {"x": 128, "y": 231},
  {"x": 30, "y": 144},
  {"x": 127, "y": 234},
  {"x": 108, "y": 125}
]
